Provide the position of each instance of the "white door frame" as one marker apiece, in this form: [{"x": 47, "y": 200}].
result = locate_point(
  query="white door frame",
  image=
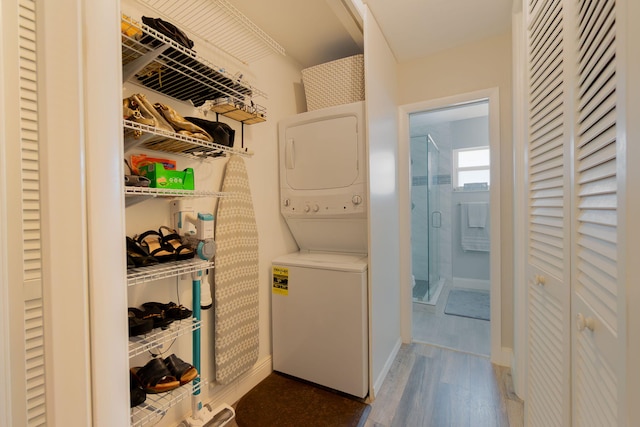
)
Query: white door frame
[{"x": 498, "y": 356}]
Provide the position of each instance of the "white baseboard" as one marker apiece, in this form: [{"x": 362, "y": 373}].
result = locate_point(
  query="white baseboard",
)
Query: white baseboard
[
  {"x": 465, "y": 283},
  {"x": 375, "y": 387}
]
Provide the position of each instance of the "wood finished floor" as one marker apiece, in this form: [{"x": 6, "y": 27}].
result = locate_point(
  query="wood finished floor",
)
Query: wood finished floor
[
  {"x": 429, "y": 386},
  {"x": 436, "y": 387}
]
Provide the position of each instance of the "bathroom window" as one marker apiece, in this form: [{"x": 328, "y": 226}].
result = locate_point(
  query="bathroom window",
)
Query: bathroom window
[{"x": 471, "y": 168}]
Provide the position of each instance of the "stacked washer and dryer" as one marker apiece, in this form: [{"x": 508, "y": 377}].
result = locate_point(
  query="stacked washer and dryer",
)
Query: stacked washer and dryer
[{"x": 320, "y": 299}]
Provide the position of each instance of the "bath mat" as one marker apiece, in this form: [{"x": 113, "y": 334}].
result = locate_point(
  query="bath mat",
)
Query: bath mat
[
  {"x": 468, "y": 303},
  {"x": 235, "y": 277},
  {"x": 284, "y": 401}
]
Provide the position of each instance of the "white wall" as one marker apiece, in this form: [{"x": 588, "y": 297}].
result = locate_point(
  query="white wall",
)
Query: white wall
[
  {"x": 384, "y": 248},
  {"x": 475, "y": 66}
]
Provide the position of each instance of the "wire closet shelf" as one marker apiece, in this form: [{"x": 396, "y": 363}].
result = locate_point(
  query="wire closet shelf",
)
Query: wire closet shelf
[
  {"x": 222, "y": 25},
  {"x": 157, "y": 62}
]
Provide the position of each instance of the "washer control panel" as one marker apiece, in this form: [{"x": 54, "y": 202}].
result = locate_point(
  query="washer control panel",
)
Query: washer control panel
[{"x": 336, "y": 205}]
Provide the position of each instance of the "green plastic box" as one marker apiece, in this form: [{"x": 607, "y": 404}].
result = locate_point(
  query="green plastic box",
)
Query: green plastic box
[{"x": 163, "y": 178}]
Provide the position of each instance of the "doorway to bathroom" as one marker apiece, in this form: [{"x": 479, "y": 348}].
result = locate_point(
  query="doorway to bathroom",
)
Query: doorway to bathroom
[{"x": 450, "y": 226}]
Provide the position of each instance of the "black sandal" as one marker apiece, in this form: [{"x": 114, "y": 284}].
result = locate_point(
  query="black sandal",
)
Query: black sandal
[
  {"x": 182, "y": 370},
  {"x": 153, "y": 313},
  {"x": 155, "y": 377},
  {"x": 137, "y": 395},
  {"x": 139, "y": 325},
  {"x": 172, "y": 238},
  {"x": 152, "y": 241},
  {"x": 138, "y": 255},
  {"x": 171, "y": 309},
  {"x": 130, "y": 262}
]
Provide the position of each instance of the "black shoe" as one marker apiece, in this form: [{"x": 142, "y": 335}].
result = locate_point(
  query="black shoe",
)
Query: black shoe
[
  {"x": 137, "y": 394},
  {"x": 171, "y": 309},
  {"x": 160, "y": 320},
  {"x": 139, "y": 325},
  {"x": 151, "y": 242},
  {"x": 139, "y": 256}
]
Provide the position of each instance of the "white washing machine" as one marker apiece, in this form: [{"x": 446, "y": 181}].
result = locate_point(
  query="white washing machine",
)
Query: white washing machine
[
  {"x": 319, "y": 309},
  {"x": 319, "y": 294}
]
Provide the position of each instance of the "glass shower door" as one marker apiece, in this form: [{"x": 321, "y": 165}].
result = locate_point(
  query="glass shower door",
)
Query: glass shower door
[
  {"x": 435, "y": 215},
  {"x": 426, "y": 218}
]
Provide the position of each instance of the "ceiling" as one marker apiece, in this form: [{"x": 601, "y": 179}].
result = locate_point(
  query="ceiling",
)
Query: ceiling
[
  {"x": 417, "y": 28},
  {"x": 316, "y": 31}
]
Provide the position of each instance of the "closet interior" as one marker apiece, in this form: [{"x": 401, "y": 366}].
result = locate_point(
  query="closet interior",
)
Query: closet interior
[{"x": 183, "y": 116}]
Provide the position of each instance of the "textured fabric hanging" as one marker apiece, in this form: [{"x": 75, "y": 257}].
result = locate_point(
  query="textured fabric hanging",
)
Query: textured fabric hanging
[{"x": 236, "y": 277}]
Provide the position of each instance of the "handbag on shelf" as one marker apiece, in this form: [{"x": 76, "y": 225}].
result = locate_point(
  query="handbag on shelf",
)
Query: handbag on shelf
[
  {"x": 222, "y": 133},
  {"x": 137, "y": 108},
  {"x": 167, "y": 29},
  {"x": 180, "y": 124}
]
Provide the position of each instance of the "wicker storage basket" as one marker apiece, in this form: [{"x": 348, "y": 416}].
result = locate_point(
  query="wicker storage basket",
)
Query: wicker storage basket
[{"x": 334, "y": 83}]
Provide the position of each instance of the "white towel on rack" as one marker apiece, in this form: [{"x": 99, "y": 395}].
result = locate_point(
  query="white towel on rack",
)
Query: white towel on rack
[
  {"x": 473, "y": 238},
  {"x": 477, "y": 214}
]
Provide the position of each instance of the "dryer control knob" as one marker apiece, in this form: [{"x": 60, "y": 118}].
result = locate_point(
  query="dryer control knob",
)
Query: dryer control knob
[
  {"x": 286, "y": 203},
  {"x": 316, "y": 208},
  {"x": 307, "y": 208},
  {"x": 357, "y": 199}
]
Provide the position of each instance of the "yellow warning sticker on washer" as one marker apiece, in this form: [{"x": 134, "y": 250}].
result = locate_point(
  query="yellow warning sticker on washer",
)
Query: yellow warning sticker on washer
[{"x": 280, "y": 284}]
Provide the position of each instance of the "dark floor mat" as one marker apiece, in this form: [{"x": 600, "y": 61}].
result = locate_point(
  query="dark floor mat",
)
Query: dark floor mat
[{"x": 282, "y": 401}]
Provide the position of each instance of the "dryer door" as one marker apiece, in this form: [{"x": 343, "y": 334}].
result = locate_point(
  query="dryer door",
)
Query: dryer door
[{"x": 321, "y": 154}]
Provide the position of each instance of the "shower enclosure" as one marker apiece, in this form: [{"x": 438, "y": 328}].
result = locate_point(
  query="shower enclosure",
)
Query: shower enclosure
[{"x": 426, "y": 218}]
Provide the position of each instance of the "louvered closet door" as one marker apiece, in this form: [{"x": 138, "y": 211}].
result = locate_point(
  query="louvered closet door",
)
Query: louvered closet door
[
  {"x": 24, "y": 265},
  {"x": 32, "y": 256},
  {"x": 548, "y": 221},
  {"x": 598, "y": 344}
]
